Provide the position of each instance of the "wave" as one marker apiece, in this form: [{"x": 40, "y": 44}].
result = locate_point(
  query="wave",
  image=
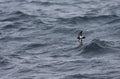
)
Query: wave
[
  {"x": 43, "y": 3},
  {"x": 11, "y": 26},
  {"x": 96, "y": 48},
  {"x": 48, "y": 3},
  {"x": 78, "y": 19},
  {"x": 33, "y": 45},
  {"x": 77, "y": 76},
  {"x": 17, "y": 15},
  {"x": 89, "y": 76},
  {"x": 3, "y": 61},
  {"x": 117, "y": 33},
  {"x": 114, "y": 21},
  {"x": 11, "y": 38},
  {"x": 64, "y": 30}
]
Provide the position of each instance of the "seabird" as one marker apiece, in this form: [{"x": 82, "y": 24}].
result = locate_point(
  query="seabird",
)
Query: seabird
[{"x": 80, "y": 37}]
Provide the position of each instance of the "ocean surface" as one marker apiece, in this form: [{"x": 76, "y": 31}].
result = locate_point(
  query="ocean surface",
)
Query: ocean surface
[{"x": 38, "y": 39}]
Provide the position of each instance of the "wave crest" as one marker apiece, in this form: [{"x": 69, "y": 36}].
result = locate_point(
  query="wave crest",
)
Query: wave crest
[
  {"x": 3, "y": 61},
  {"x": 78, "y": 19},
  {"x": 97, "y": 47},
  {"x": 17, "y": 15}
]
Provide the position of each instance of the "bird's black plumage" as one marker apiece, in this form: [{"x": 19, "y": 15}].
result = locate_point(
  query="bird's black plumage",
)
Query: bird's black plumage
[{"x": 80, "y": 33}]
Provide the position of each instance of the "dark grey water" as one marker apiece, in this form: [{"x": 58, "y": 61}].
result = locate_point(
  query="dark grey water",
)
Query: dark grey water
[{"x": 38, "y": 39}]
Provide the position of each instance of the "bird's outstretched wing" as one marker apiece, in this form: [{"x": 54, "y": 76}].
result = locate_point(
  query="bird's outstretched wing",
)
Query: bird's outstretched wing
[
  {"x": 78, "y": 37},
  {"x": 83, "y": 37}
]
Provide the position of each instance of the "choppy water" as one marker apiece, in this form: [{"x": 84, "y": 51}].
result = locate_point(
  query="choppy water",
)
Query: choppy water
[{"x": 38, "y": 39}]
